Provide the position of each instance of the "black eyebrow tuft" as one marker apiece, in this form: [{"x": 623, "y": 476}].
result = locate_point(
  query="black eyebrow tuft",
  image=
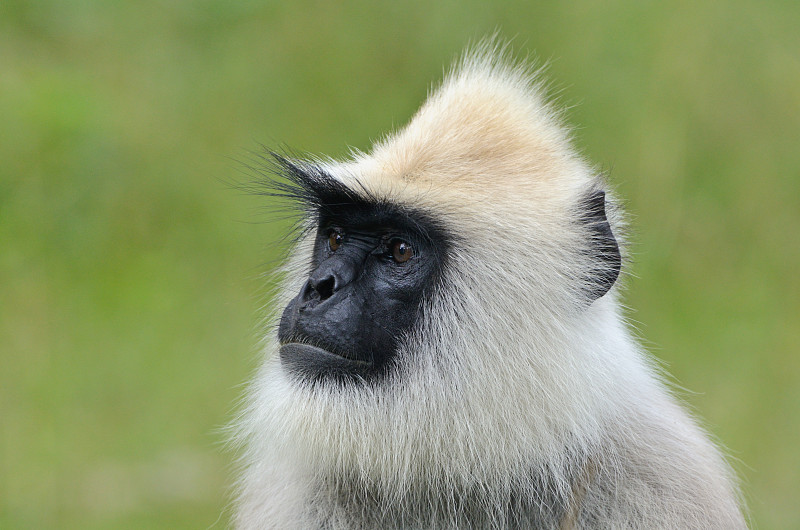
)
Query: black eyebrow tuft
[
  {"x": 305, "y": 184},
  {"x": 315, "y": 190},
  {"x": 320, "y": 197}
]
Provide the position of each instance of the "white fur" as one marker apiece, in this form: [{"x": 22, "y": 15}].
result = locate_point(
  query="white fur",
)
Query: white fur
[{"x": 507, "y": 377}]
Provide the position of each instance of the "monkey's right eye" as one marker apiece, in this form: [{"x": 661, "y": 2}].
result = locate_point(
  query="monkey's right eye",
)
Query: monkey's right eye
[{"x": 335, "y": 240}]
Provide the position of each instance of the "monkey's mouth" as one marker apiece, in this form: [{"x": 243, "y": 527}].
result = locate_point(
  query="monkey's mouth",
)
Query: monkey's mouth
[{"x": 315, "y": 361}]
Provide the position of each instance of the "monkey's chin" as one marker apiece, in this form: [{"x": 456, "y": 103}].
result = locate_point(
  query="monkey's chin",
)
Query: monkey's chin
[{"x": 315, "y": 363}]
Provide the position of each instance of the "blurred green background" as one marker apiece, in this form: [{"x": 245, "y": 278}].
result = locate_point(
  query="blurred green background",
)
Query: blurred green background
[{"x": 131, "y": 275}]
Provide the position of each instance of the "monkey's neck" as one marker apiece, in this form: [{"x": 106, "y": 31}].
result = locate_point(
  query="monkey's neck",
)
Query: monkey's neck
[{"x": 535, "y": 500}]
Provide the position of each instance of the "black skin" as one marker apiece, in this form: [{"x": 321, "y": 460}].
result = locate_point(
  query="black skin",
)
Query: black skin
[
  {"x": 604, "y": 249},
  {"x": 363, "y": 295},
  {"x": 360, "y": 301}
]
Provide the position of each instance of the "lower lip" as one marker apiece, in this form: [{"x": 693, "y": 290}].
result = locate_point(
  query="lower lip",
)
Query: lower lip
[{"x": 313, "y": 361}]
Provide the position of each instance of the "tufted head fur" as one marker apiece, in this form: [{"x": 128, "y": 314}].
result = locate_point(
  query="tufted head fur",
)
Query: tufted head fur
[{"x": 519, "y": 397}]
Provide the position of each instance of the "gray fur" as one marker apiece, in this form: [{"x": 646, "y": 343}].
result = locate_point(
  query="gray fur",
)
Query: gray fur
[{"x": 514, "y": 405}]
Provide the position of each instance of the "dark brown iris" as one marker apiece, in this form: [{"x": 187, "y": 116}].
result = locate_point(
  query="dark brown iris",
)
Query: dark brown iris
[
  {"x": 402, "y": 251},
  {"x": 335, "y": 240}
]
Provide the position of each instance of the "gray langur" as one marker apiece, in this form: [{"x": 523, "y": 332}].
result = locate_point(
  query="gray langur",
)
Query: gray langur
[{"x": 452, "y": 352}]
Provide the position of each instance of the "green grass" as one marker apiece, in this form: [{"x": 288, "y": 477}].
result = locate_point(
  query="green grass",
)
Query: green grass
[{"x": 130, "y": 276}]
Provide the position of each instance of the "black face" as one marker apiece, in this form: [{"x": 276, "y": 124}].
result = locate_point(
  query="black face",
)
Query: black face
[
  {"x": 373, "y": 265},
  {"x": 371, "y": 269}
]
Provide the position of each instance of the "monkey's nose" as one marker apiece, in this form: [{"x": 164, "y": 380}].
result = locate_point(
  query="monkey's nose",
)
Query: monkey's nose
[
  {"x": 330, "y": 277},
  {"x": 324, "y": 287}
]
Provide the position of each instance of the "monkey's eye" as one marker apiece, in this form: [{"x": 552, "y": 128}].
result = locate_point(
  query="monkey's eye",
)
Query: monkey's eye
[
  {"x": 401, "y": 251},
  {"x": 335, "y": 239}
]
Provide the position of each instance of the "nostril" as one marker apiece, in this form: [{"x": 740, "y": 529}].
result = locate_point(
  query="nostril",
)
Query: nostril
[{"x": 324, "y": 287}]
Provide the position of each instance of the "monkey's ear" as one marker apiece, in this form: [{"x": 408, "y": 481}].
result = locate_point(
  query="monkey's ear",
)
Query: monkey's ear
[{"x": 604, "y": 253}]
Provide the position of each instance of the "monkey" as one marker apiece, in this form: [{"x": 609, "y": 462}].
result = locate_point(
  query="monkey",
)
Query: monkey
[{"x": 449, "y": 348}]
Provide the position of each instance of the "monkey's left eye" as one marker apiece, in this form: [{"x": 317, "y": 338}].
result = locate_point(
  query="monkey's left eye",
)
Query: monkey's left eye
[
  {"x": 335, "y": 239},
  {"x": 402, "y": 251}
]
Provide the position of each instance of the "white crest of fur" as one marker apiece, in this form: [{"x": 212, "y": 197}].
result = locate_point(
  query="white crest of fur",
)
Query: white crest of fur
[{"x": 507, "y": 375}]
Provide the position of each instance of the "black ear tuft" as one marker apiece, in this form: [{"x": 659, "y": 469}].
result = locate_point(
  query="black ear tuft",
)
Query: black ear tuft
[{"x": 603, "y": 248}]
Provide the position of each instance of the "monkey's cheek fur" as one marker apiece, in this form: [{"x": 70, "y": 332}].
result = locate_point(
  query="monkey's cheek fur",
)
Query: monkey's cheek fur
[{"x": 314, "y": 363}]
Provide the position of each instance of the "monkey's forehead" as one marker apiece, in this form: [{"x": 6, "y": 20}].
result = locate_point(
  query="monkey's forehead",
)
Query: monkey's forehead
[{"x": 485, "y": 134}]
